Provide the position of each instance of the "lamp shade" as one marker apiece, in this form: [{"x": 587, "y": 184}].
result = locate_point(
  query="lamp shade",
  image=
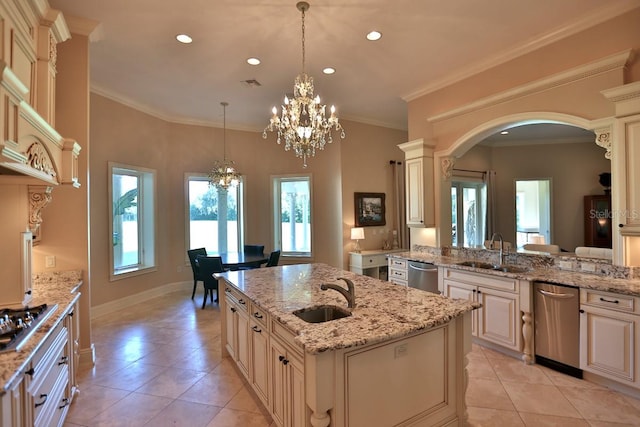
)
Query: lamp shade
[{"x": 357, "y": 233}]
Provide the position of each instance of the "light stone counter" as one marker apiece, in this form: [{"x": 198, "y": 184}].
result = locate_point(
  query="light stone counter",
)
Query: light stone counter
[
  {"x": 48, "y": 288},
  {"x": 602, "y": 281},
  {"x": 383, "y": 311}
]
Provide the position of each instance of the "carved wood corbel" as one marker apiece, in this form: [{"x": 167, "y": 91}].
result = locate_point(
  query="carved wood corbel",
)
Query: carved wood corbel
[
  {"x": 603, "y": 139},
  {"x": 446, "y": 165},
  {"x": 39, "y": 197}
]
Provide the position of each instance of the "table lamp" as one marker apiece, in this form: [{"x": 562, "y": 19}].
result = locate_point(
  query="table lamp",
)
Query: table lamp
[{"x": 357, "y": 234}]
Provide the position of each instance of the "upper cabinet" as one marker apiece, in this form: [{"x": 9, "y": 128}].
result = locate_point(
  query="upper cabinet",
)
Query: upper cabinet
[
  {"x": 419, "y": 183},
  {"x": 625, "y": 146},
  {"x": 31, "y": 150}
]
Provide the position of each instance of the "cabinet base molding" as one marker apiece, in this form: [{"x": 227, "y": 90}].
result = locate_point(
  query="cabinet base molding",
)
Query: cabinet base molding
[{"x": 613, "y": 385}]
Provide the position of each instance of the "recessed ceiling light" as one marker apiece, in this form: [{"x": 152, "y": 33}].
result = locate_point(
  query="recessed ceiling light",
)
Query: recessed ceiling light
[
  {"x": 184, "y": 38},
  {"x": 253, "y": 61},
  {"x": 504, "y": 132},
  {"x": 329, "y": 70},
  {"x": 374, "y": 35}
]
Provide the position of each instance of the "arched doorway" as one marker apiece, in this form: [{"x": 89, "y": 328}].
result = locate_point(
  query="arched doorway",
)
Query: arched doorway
[{"x": 446, "y": 160}]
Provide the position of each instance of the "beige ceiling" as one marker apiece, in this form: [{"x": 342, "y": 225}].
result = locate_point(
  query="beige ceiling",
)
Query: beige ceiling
[{"x": 425, "y": 45}]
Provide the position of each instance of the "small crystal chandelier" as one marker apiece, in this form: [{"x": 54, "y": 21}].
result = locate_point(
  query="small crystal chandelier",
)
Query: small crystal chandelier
[
  {"x": 303, "y": 124},
  {"x": 223, "y": 174}
]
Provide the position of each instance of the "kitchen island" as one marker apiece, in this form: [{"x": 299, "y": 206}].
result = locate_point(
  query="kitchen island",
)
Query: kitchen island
[{"x": 398, "y": 358}]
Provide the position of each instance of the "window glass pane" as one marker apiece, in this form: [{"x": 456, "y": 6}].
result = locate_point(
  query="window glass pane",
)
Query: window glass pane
[
  {"x": 214, "y": 216},
  {"x": 454, "y": 216},
  {"x": 470, "y": 217},
  {"x": 125, "y": 221},
  {"x": 295, "y": 215}
]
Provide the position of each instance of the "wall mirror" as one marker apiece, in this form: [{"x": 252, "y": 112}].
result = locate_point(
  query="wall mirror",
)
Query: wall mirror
[{"x": 565, "y": 155}]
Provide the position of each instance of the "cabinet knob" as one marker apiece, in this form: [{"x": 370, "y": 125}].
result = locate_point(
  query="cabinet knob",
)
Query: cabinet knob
[
  {"x": 581, "y": 311},
  {"x": 63, "y": 360},
  {"x": 620, "y": 225},
  {"x": 30, "y": 372},
  {"x": 285, "y": 361},
  {"x": 233, "y": 309},
  {"x": 281, "y": 358}
]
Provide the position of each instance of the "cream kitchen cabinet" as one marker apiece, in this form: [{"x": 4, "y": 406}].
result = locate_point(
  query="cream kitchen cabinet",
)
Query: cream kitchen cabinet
[
  {"x": 610, "y": 335},
  {"x": 237, "y": 328},
  {"x": 420, "y": 199},
  {"x": 259, "y": 353},
  {"x": 398, "y": 271},
  {"x": 288, "y": 406},
  {"x": 499, "y": 320}
]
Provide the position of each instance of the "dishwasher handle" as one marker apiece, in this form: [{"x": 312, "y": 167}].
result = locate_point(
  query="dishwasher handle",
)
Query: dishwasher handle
[
  {"x": 429, "y": 269},
  {"x": 555, "y": 295}
]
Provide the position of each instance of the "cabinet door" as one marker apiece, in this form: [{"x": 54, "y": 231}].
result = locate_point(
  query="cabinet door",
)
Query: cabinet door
[
  {"x": 597, "y": 221},
  {"x": 278, "y": 382},
  {"x": 242, "y": 352},
  {"x": 260, "y": 361},
  {"x": 415, "y": 192},
  {"x": 295, "y": 395},
  {"x": 231, "y": 326},
  {"x": 608, "y": 343},
  {"x": 499, "y": 318},
  {"x": 459, "y": 290}
]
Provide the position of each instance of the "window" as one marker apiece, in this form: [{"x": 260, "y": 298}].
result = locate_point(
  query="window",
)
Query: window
[
  {"x": 215, "y": 217},
  {"x": 468, "y": 213},
  {"x": 132, "y": 196},
  {"x": 292, "y": 215}
]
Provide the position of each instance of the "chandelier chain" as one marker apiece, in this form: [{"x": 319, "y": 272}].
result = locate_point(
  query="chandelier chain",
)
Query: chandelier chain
[{"x": 303, "y": 40}]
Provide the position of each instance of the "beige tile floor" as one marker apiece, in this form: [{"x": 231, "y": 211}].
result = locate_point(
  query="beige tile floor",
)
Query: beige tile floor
[{"x": 159, "y": 364}]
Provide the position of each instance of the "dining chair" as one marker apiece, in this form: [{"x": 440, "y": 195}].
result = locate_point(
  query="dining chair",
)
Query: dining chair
[
  {"x": 209, "y": 265},
  {"x": 254, "y": 249},
  {"x": 193, "y": 254},
  {"x": 274, "y": 257}
]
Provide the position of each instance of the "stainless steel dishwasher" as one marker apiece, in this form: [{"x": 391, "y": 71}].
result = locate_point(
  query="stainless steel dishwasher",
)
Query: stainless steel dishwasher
[
  {"x": 557, "y": 327},
  {"x": 423, "y": 275}
]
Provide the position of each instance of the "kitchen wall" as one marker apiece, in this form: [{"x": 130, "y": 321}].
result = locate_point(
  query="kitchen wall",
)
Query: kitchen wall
[
  {"x": 458, "y": 116},
  {"x": 572, "y": 167},
  {"x": 125, "y": 135}
]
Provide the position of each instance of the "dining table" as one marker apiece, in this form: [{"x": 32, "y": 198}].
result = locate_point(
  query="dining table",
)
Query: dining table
[{"x": 237, "y": 260}]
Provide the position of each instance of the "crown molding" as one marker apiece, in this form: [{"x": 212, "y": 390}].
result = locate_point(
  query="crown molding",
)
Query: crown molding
[
  {"x": 609, "y": 11},
  {"x": 609, "y": 63}
]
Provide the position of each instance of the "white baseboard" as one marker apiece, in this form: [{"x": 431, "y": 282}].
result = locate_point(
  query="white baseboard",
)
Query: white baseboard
[{"x": 119, "y": 304}]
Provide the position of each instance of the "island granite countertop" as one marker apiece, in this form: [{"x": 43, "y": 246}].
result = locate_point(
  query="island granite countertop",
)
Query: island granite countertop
[
  {"x": 554, "y": 275},
  {"x": 383, "y": 311},
  {"x": 49, "y": 288}
]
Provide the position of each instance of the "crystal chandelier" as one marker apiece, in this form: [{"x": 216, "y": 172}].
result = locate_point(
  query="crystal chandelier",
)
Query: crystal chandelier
[
  {"x": 302, "y": 124},
  {"x": 223, "y": 174}
]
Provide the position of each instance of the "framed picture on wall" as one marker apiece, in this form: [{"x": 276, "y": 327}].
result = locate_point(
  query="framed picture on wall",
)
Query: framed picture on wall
[{"x": 369, "y": 209}]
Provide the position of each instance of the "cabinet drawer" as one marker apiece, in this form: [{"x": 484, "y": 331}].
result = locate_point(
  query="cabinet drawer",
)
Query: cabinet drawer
[
  {"x": 486, "y": 280},
  {"x": 48, "y": 371},
  {"x": 259, "y": 315},
  {"x": 619, "y": 302},
  {"x": 398, "y": 281},
  {"x": 285, "y": 336},
  {"x": 398, "y": 263},
  {"x": 397, "y": 274},
  {"x": 236, "y": 296}
]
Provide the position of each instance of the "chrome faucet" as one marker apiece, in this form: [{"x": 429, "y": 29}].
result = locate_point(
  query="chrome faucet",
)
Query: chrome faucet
[
  {"x": 501, "y": 246},
  {"x": 349, "y": 293}
]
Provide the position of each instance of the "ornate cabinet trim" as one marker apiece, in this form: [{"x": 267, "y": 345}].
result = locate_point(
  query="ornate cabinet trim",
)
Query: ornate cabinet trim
[{"x": 39, "y": 197}]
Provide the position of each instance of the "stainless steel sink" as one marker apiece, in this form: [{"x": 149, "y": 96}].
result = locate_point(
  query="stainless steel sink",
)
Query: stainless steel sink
[
  {"x": 489, "y": 266},
  {"x": 323, "y": 313},
  {"x": 477, "y": 264}
]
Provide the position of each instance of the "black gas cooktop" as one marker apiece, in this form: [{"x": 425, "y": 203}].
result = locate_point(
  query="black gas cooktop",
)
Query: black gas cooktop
[{"x": 18, "y": 324}]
